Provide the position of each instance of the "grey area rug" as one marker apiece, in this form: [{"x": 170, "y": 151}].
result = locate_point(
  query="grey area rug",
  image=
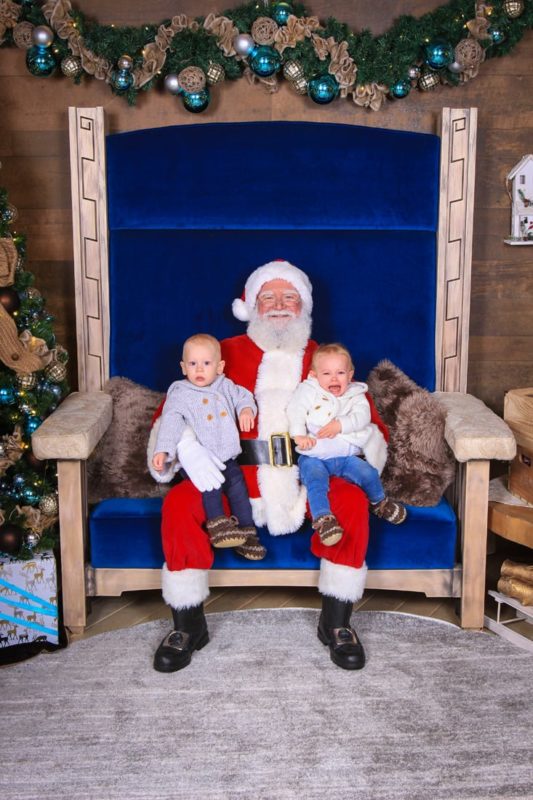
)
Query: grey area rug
[{"x": 263, "y": 713}]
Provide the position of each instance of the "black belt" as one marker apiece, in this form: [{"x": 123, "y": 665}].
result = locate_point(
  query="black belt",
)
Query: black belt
[{"x": 278, "y": 451}]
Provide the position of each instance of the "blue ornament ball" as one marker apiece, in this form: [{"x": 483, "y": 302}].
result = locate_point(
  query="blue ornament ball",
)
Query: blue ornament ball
[
  {"x": 281, "y": 12},
  {"x": 265, "y": 60},
  {"x": 122, "y": 80},
  {"x": 31, "y": 424},
  {"x": 497, "y": 34},
  {"x": 401, "y": 89},
  {"x": 7, "y": 395},
  {"x": 19, "y": 481},
  {"x": 439, "y": 54},
  {"x": 323, "y": 89},
  {"x": 195, "y": 102},
  {"x": 40, "y": 61},
  {"x": 30, "y": 494}
]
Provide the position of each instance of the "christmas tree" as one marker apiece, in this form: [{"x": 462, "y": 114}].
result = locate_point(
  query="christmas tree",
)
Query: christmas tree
[{"x": 32, "y": 383}]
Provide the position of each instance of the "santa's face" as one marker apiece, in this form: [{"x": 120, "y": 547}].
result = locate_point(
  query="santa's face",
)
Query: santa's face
[{"x": 279, "y": 302}]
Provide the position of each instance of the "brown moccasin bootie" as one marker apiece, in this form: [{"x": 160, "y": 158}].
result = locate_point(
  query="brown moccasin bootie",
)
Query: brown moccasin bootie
[
  {"x": 252, "y": 549},
  {"x": 390, "y": 510},
  {"x": 328, "y": 528},
  {"x": 225, "y": 532}
]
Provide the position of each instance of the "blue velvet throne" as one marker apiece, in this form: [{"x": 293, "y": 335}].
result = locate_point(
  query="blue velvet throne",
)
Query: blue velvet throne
[{"x": 189, "y": 212}]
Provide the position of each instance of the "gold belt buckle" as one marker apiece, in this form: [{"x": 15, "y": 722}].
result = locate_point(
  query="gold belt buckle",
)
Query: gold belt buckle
[{"x": 287, "y": 447}]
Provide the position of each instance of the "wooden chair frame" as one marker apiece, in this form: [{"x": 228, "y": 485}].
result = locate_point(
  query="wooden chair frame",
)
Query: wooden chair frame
[{"x": 88, "y": 174}]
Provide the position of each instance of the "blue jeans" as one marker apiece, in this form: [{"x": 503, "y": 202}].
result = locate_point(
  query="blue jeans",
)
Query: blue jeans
[
  {"x": 315, "y": 474},
  {"x": 235, "y": 490}
]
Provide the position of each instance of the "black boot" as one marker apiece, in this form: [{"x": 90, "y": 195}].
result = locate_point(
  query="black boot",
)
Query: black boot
[
  {"x": 334, "y": 630},
  {"x": 189, "y": 634}
]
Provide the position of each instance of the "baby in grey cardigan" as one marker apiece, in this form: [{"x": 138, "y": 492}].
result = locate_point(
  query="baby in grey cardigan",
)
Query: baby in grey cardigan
[{"x": 210, "y": 403}]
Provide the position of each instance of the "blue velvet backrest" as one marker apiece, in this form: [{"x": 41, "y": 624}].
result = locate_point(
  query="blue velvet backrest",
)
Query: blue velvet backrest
[{"x": 194, "y": 209}]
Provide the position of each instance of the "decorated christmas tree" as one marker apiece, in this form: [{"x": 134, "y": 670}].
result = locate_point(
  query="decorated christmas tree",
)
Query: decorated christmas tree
[{"x": 32, "y": 383}]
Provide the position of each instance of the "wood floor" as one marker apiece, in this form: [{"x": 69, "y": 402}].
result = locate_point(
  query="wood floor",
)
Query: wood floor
[{"x": 133, "y": 608}]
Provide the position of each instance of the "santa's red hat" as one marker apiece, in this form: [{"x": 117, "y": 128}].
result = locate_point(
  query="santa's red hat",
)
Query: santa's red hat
[{"x": 242, "y": 307}]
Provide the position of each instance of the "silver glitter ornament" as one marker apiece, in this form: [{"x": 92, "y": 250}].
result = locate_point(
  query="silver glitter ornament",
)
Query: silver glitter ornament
[
  {"x": 43, "y": 35},
  {"x": 49, "y": 505}
]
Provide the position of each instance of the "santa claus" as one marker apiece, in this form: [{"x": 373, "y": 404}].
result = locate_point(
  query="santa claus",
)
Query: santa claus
[{"x": 270, "y": 360}]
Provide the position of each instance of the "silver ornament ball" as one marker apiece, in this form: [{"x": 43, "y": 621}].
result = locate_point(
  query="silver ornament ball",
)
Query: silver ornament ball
[
  {"x": 125, "y": 62},
  {"x": 43, "y": 35},
  {"x": 172, "y": 83},
  {"x": 455, "y": 67},
  {"x": 243, "y": 44},
  {"x": 414, "y": 72},
  {"x": 32, "y": 539}
]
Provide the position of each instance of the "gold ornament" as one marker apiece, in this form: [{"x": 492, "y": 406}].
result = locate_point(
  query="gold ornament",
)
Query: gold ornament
[
  {"x": 428, "y": 81},
  {"x": 300, "y": 86},
  {"x": 71, "y": 66},
  {"x": 23, "y": 35},
  {"x": 215, "y": 73},
  {"x": 293, "y": 70},
  {"x": 264, "y": 30},
  {"x": 26, "y": 380},
  {"x": 8, "y": 261},
  {"x": 56, "y": 372},
  {"x": 469, "y": 53},
  {"x": 513, "y": 8},
  {"x": 49, "y": 505},
  {"x": 192, "y": 79}
]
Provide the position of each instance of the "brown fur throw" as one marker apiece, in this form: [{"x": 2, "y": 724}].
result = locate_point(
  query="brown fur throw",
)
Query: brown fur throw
[
  {"x": 420, "y": 465},
  {"x": 117, "y": 467}
]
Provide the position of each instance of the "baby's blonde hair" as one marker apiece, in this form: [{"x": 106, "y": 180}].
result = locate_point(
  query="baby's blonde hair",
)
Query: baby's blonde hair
[
  {"x": 328, "y": 349},
  {"x": 203, "y": 338}
]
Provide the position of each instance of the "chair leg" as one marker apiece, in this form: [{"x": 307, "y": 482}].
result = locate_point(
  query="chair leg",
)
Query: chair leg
[
  {"x": 72, "y": 530},
  {"x": 474, "y": 516}
]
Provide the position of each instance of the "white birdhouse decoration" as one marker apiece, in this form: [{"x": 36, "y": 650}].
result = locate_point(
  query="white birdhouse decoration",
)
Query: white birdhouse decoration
[{"x": 520, "y": 190}]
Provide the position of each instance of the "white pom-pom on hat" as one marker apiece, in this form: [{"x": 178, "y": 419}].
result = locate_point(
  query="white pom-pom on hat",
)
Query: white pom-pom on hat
[{"x": 242, "y": 307}]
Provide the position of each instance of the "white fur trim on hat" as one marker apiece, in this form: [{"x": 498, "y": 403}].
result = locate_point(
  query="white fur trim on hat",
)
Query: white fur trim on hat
[{"x": 242, "y": 307}]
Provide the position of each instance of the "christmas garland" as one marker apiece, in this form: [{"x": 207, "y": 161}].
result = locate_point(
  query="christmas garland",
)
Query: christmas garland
[{"x": 263, "y": 40}]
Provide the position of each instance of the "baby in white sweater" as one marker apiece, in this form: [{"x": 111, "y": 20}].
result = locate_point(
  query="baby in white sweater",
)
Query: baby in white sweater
[{"x": 329, "y": 420}]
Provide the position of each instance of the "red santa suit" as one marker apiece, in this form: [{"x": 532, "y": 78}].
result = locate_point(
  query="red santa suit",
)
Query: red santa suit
[{"x": 278, "y": 499}]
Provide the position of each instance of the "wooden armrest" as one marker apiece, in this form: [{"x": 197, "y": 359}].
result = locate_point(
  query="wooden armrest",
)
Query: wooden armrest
[
  {"x": 473, "y": 431},
  {"x": 75, "y": 428}
]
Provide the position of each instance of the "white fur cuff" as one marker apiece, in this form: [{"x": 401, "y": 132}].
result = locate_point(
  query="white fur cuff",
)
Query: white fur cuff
[
  {"x": 344, "y": 583},
  {"x": 184, "y": 588}
]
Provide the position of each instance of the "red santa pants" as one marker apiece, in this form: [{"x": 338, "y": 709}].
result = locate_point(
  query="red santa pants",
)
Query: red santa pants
[{"x": 186, "y": 544}]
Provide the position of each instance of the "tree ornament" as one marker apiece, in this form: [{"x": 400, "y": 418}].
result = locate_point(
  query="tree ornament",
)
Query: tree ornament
[
  {"x": 11, "y": 538},
  {"x": 281, "y": 12},
  {"x": 300, "y": 85},
  {"x": 323, "y": 89},
  {"x": 468, "y": 53},
  {"x": 55, "y": 372},
  {"x": 455, "y": 67},
  {"x": 265, "y": 61},
  {"x": 32, "y": 539},
  {"x": 414, "y": 72},
  {"x": 71, "y": 67},
  {"x": 428, "y": 81},
  {"x": 43, "y": 36},
  {"x": 243, "y": 44},
  {"x": 172, "y": 83},
  {"x": 264, "y": 30},
  {"x": 30, "y": 494},
  {"x": 26, "y": 380},
  {"x": 23, "y": 35},
  {"x": 9, "y": 213},
  {"x": 121, "y": 78},
  {"x": 438, "y": 54},
  {"x": 513, "y": 8},
  {"x": 49, "y": 505},
  {"x": 7, "y": 395},
  {"x": 192, "y": 80},
  {"x": 40, "y": 61},
  {"x": 293, "y": 70},
  {"x": 215, "y": 73},
  {"x": 31, "y": 424},
  {"x": 497, "y": 35},
  {"x": 10, "y": 299},
  {"x": 195, "y": 102},
  {"x": 401, "y": 89}
]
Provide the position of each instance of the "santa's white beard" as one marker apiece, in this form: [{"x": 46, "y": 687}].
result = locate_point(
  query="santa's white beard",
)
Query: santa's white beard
[{"x": 277, "y": 330}]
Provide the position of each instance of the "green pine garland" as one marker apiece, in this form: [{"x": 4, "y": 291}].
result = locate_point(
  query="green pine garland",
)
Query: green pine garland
[{"x": 382, "y": 60}]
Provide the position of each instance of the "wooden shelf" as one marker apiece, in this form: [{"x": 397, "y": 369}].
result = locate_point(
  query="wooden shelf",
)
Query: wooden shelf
[{"x": 512, "y": 522}]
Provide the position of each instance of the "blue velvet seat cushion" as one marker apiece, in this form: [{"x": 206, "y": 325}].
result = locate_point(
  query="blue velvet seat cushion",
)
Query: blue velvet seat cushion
[{"x": 126, "y": 533}]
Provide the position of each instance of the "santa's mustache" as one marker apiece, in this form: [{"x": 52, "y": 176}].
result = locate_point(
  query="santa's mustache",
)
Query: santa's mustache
[{"x": 273, "y": 313}]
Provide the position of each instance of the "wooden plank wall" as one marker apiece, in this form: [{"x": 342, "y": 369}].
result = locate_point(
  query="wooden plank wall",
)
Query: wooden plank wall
[{"x": 35, "y": 167}]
